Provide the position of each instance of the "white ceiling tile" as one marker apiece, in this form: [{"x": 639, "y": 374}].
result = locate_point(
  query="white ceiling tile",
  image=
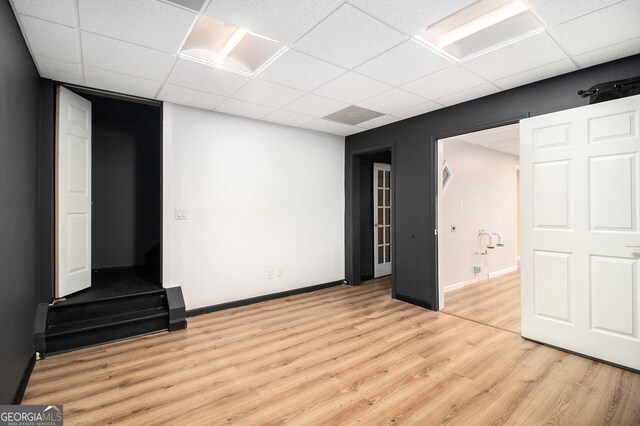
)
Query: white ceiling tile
[
  {"x": 391, "y": 101},
  {"x": 267, "y": 93},
  {"x": 404, "y": 63},
  {"x": 55, "y": 69},
  {"x": 554, "y": 12},
  {"x": 287, "y": 118},
  {"x": 445, "y": 82},
  {"x": 469, "y": 94},
  {"x": 348, "y": 38},
  {"x": 300, "y": 71},
  {"x": 189, "y": 97},
  {"x": 379, "y": 121},
  {"x": 113, "y": 55},
  {"x": 49, "y": 39},
  {"x": 536, "y": 74},
  {"x": 194, "y": 75},
  {"x": 58, "y": 11},
  {"x": 419, "y": 109},
  {"x": 120, "y": 83},
  {"x": 244, "y": 109},
  {"x": 351, "y": 88},
  {"x": 315, "y": 106},
  {"x": 146, "y": 22},
  {"x": 529, "y": 53},
  {"x": 613, "y": 24},
  {"x": 410, "y": 16},
  {"x": 610, "y": 53},
  {"x": 282, "y": 20},
  {"x": 332, "y": 127}
]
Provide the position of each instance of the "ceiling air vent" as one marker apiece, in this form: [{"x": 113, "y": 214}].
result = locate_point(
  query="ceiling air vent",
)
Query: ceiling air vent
[
  {"x": 193, "y": 5},
  {"x": 353, "y": 115}
]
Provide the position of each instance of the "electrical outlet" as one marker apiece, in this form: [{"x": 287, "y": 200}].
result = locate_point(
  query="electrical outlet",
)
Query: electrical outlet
[
  {"x": 181, "y": 214},
  {"x": 270, "y": 274},
  {"x": 476, "y": 269}
]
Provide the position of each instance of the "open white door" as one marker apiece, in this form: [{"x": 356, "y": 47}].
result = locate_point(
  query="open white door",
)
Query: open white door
[
  {"x": 73, "y": 193},
  {"x": 381, "y": 219},
  {"x": 580, "y": 230}
]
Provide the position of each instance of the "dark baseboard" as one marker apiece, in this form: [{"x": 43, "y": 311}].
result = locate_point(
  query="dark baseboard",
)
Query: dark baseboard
[
  {"x": 413, "y": 301},
  {"x": 176, "y": 306},
  {"x": 258, "y": 299},
  {"x": 17, "y": 399},
  {"x": 40, "y": 328}
]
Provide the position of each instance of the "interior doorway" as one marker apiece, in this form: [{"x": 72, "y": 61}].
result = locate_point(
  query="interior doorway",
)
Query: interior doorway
[
  {"x": 382, "y": 219},
  {"x": 375, "y": 201},
  {"x": 478, "y": 233},
  {"x": 118, "y": 169}
]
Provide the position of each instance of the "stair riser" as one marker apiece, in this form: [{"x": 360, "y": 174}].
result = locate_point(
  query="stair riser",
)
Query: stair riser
[
  {"x": 66, "y": 342},
  {"x": 63, "y": 314}
]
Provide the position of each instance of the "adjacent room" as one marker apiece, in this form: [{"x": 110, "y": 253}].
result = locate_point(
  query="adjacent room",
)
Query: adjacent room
[
  {"x": 478, "y": 226},
  {"x": 320, "y": 212}
]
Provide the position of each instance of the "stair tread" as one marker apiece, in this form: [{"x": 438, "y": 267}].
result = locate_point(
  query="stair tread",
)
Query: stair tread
[
  {"x": 105, "y": 321},
  {"x": 74, "y": 303}
]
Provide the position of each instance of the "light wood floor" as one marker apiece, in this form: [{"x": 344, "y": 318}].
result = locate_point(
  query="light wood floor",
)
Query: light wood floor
[
  {"x": 495, "y": 302},
  {"x": 336, "y": 356}
]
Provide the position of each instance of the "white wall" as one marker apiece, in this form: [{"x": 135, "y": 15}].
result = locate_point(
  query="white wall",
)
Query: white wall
[
  {"x": 258, "y": 197},
  {"x": 481, "y": 195}
]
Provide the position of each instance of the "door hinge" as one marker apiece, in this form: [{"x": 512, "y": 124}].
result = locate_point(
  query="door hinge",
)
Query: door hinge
[{"x": 435, "y": 232}]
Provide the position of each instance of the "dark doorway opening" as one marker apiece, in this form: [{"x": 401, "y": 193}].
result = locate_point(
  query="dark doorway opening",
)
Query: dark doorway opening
[{"x": 126, "y": 185}]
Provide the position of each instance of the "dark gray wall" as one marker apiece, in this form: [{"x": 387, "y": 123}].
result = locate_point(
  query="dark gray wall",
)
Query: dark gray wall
[
  {"x": 18, "y": 195},
  {"x": 366, "y": 210},
  {"x": 46, "y": 182},
  {"x": 414, "y": 168},
  {"x": 126, "y": 181}
]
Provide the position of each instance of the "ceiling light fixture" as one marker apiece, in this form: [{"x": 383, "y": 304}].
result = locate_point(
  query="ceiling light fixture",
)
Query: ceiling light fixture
[
  {"x": 231, "y": 44},
  {"x": 480, "y": 28},
  {"x": 229, "y": 47}
]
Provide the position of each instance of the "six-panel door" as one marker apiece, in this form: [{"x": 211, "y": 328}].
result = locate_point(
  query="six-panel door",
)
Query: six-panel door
[{"x": 580, "y": 237}]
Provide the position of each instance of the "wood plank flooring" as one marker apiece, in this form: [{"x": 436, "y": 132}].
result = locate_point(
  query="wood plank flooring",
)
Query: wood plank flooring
[
  {"x": 493, "y": 302},
  {"x": 337, "y": 356}
]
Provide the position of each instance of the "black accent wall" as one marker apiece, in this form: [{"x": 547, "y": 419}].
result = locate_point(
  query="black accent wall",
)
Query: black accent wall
[
  {"x": 18, "y": 198},
  {"x": 414, "y": 168},
  {"x": 125, "y": 182}
]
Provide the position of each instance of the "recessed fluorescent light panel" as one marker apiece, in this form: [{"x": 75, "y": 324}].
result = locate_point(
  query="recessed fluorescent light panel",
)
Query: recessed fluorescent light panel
[
  {"x": 218, "y": 44},
  {"x": 482, "y": 27},
  {"x": 353, "y": 115}
]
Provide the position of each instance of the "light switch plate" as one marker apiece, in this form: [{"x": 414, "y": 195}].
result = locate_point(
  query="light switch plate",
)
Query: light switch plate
[{"x": 181, "y": 214}]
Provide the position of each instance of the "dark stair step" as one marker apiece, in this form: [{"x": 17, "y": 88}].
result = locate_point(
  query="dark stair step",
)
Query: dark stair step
[
  {"x": 77, "y": 334},
  {"x": 69, "y": 311}
]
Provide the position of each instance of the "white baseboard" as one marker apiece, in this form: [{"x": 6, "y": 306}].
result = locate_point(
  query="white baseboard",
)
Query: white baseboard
[
  {"x": 503, "y": 271},
  {"x": 461, "y": 284}
]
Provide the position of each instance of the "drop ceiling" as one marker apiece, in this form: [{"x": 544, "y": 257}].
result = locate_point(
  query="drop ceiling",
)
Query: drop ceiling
[
  {"x": 504, "y": 139},
  {"x": 341, "y": 53}
]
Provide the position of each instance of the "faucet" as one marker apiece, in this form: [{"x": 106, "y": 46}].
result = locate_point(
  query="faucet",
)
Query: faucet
[{"x": 491, "y": 244}]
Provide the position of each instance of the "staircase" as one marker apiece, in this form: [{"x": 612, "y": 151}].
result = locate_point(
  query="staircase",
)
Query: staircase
[{"x": 82, "y": 322}]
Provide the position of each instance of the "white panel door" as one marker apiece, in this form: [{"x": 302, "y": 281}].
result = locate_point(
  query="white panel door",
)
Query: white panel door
[
  {"x": 580, "y": 212},
  {"x": 381, "y": 219},
  {"x": 73, "y": 193}
]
